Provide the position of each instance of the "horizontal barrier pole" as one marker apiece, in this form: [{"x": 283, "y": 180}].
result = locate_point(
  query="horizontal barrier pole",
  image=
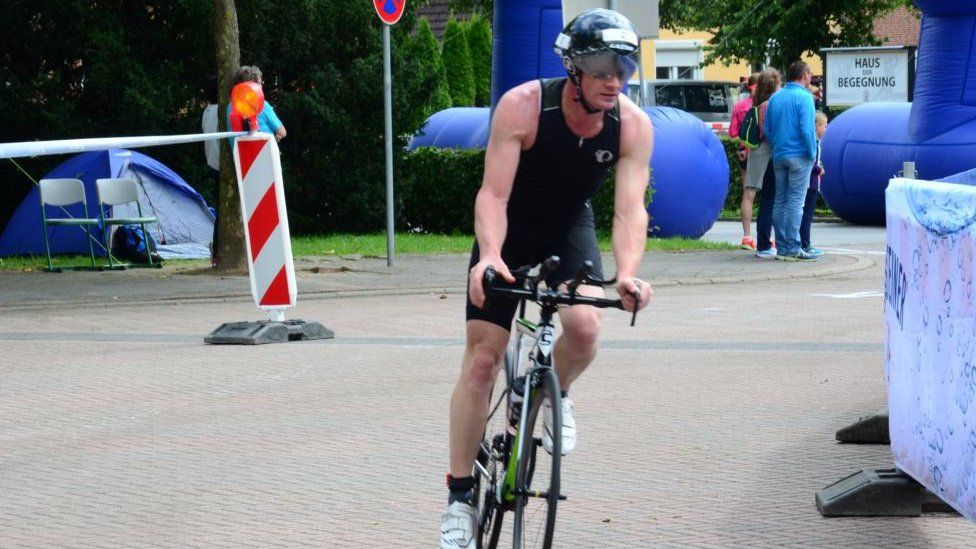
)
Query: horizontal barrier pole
[{"x": 71, "y": 146}]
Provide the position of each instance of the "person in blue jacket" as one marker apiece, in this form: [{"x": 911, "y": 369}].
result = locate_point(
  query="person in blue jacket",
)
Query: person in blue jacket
[{"x": 789, "y": 128}]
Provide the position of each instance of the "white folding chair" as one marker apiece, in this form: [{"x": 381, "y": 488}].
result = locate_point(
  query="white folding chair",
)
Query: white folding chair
[
  {"x": 116, "y": 191},
  {"x": 61, "y": 193}
]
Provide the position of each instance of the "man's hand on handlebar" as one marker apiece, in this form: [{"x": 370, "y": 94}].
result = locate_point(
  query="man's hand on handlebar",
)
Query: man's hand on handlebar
[
  {"x": 476, "y": 289},
  {"x": 634, "y": 293}
]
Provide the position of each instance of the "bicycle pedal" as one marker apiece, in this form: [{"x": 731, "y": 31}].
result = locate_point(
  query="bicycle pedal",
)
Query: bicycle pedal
[
  {"x": 498, "y": 443},
  {"x": 562, "y": 497}
]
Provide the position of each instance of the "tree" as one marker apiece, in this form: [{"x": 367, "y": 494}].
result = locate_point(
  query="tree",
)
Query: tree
[
  {"x": 780, "y": 30},
  {"x": 77, "y": 68},
  {"x": 433, "y": 93},
  {"x": 323, "y": 70},
  {"x": 230, "y": 226},
  {"x": 479, "y": 44},
  {"x": 457, "y": 62},
  {"x": 104, "y": 76}
]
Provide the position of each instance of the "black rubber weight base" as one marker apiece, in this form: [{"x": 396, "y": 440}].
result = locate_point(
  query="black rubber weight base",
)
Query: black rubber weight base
[
  {"x": 867, "y": 430},
  {"x": 878, "y": 493},
  {"x": 267, "y": 331}
]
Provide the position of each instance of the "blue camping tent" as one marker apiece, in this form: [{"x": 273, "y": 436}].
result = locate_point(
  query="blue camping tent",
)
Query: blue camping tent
[{"x": 185, "y": 226}]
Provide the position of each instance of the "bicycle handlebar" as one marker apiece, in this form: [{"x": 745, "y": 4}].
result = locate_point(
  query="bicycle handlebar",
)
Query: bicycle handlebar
[{"x": 531, "y": 279}]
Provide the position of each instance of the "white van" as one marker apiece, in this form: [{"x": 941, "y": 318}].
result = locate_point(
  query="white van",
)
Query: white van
[{"x": 710, "y": 100}]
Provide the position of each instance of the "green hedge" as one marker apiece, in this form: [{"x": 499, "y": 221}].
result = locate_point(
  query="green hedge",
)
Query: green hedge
[
  {"x": 734, "y": 198},
  {"x": 437, "y": 188}
]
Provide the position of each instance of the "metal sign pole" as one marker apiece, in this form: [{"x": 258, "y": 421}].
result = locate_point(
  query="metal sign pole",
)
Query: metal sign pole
[{"x": 388, "y": 109}]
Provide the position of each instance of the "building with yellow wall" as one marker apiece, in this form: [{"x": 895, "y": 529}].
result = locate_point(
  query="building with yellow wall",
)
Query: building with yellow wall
[{"x": 679, "y": 56}]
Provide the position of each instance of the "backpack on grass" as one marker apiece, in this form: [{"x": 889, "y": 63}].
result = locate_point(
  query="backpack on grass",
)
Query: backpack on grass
[{"x": 129, "y": 243}]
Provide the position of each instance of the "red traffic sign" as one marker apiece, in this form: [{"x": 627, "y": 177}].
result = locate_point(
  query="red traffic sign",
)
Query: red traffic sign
[{"x": 389, "y": 10}]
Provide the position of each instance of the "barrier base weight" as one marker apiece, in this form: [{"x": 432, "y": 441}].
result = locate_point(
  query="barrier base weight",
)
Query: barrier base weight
[
  {"x": 866, "y": 430},
  {"x": 878, "y": 493},
  {"x": 267, "y": 331}
]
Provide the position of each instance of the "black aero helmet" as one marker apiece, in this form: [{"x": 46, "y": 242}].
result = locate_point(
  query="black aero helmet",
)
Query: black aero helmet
[{"x": 601, "y": 43}]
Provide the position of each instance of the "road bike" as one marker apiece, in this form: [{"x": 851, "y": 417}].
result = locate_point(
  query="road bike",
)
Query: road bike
[{"x": 513, "y": 473}]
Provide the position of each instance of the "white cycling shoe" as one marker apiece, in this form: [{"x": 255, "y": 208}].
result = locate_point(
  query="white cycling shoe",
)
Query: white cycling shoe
[
  {"x": 569, "y": 426},
  {"x": 458, "y": 527}
]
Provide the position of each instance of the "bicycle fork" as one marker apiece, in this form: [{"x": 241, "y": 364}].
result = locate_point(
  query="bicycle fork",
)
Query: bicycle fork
[{"x": 518, "y": 444}]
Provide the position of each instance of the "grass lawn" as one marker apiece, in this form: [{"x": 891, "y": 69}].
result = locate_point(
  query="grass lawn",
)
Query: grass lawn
[
  {"x": 363, "y": 244},
  {"x": 735, "y": 214},
  {"x": 408, "y": 243}
]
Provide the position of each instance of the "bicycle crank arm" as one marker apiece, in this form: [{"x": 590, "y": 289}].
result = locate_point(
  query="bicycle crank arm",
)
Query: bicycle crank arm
[{"x": 542, "y": 495}]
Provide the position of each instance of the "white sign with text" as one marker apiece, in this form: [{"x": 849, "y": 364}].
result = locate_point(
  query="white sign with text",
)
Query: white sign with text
[{"x": 863, "y": 76}]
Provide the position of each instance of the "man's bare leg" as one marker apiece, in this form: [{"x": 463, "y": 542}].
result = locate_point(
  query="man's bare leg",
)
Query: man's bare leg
[
  {"x": 482, "y": 359},
  {"x": 748, "y": 199},
  {"x": 576, "y": 347}
]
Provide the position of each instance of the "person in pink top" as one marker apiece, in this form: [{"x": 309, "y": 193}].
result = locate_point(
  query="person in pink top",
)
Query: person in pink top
[
  {"x": 759, "y": 170},
  {"x": 738, "y": 115}
]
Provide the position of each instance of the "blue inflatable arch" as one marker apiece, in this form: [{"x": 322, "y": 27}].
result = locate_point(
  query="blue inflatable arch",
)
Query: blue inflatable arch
[{"x": 867, "y": 145}]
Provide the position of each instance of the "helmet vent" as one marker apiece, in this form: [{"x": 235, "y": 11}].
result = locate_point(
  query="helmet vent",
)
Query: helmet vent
[
  {"x": 619, "y": 35},
  {"x": 562, "y": 41}
]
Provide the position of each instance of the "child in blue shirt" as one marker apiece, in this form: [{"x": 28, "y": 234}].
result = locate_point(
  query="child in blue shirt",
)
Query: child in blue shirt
[
  {"x": 820, "y": 127},
  {"x": 268, "y": 121}
]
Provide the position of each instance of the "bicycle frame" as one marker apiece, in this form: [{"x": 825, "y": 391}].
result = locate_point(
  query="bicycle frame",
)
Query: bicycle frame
[{"x": 540, "y": 357}]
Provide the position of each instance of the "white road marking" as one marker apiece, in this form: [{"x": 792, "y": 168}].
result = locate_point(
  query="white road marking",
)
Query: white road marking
[
  {"x": 855, "y": 295},
  {"x": 852, "y": 251}
]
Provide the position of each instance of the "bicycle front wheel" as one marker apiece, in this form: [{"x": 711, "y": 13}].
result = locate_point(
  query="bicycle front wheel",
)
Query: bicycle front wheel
[
  {"x": 537, "y": 472},
  {"x": 489, "y": 471}
]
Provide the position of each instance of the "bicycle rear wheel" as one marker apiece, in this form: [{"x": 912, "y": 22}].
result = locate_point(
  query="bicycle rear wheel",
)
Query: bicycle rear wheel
[{"x": 537, "y": 472}]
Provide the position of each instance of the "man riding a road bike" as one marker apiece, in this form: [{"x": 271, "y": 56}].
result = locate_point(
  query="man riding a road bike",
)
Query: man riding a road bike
[{"x": 552, "y": 144}]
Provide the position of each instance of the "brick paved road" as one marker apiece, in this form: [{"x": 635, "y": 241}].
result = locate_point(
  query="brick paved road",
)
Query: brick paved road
[{"x": 710, "y": 424}]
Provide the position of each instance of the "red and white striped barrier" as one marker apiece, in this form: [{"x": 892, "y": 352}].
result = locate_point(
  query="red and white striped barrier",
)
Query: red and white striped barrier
[
  {"x": 270, "y": 263},
  {"x": 721, "y": 128},
  {"x": 268, "y": 240}
]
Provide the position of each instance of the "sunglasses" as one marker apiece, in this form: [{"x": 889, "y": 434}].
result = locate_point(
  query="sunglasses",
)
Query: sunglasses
[{"x": 607, "y": 64}]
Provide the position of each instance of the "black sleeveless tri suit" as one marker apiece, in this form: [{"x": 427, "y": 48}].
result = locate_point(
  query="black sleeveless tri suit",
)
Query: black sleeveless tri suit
[{"x": 549, "y": 210}]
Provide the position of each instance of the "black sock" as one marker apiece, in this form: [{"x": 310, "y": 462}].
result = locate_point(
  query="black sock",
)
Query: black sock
[{"x": 461, "y": 489}]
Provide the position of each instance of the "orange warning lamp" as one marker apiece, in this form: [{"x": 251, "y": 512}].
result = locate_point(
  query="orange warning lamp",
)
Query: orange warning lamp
[
  {"x": 246, "y": 101},
  {"x": 247, "y": 98}
]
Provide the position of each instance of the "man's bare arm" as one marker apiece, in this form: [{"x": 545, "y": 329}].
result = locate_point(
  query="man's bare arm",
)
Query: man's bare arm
[
  {"x": 630, "y": 216},
  {"x": 513, "y": 120}
]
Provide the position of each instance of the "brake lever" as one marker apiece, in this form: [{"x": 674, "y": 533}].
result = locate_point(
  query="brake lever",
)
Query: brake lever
[
  {"x": 636, "y": 294},
  {"x": 488, "y": 282},
  {"x": 544, "y": 269},
  {"x": 633, "y": 317},
  {"x": 582, "y": 275},
  {"x": 489, "y": 276}
]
